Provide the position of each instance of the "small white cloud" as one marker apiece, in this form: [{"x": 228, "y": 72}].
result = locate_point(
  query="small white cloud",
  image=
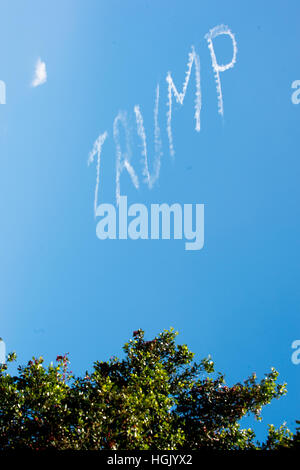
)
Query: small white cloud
[{"x": 40, "y": 75}]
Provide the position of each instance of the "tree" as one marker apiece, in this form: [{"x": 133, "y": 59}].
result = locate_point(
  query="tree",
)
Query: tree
[{"x": 155, "y": 398}]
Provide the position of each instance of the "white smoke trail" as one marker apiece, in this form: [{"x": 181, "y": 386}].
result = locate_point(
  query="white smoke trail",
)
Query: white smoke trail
[
  {"x": 150, "y": 178},
  {"x": 157, "y": 140},
  {"x": 123, "y": 159},
  {"x": 97, "y": 151},
  {"x": 213, "y": 33},
  {"x": 142, "y": 134},
  {"x": 198, "y": 99},
  {"x": 193, "y": 57}
]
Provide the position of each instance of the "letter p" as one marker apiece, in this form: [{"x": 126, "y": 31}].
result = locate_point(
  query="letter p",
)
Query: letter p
[{"x": 213, "y": 33}]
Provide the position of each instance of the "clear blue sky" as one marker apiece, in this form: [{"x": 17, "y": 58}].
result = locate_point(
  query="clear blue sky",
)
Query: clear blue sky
[{"x": 64, "y": 290}]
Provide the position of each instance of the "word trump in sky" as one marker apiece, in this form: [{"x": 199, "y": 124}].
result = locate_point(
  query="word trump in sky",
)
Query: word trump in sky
[{"x": 120, "y": 126}]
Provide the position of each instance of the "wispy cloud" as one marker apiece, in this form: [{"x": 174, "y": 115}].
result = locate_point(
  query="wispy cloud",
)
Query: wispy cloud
[{"x": 40, "y": 75}]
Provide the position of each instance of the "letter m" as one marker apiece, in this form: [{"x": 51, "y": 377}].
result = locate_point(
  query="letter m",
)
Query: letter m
[
  {"x": 179, "y": 96},
  {"x": 165, "y": 210}
]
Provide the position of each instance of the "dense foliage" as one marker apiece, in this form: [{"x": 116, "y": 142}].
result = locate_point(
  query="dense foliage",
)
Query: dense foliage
[{"x": 157, "y": 397}]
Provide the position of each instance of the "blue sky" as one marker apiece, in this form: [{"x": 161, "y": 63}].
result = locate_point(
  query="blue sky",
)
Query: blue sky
[{"x": 64, "y": 290}]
